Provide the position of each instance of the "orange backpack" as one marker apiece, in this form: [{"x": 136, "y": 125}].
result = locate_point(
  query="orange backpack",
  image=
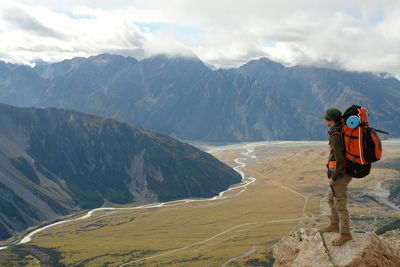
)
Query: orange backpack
[{"x": 361, "y": 143}]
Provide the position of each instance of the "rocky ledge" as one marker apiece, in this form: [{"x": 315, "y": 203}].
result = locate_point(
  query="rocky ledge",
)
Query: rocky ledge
[{"x": 308, "y": 247}]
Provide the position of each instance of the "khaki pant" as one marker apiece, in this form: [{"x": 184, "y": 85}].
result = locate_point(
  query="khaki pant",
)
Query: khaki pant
[{"x": 338, "y": 205}]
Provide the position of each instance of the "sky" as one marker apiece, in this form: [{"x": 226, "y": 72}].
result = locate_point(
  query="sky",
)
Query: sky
[{"x": 351, "y": 35}]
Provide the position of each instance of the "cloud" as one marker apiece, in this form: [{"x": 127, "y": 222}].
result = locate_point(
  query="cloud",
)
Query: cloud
[
  {"x": 354, "y": 35},
  {"x": 29, "y": 34},
  {"x": 19, "y": 19}
]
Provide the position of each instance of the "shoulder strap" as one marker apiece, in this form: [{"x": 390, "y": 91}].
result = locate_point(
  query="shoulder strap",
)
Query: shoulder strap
[
  {"x": 336, "y": 132},
  {"x": 340, "y": 134}
]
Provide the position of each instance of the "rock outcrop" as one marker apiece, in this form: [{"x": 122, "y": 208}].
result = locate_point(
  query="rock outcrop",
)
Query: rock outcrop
[{"x": 308, "y": 247}]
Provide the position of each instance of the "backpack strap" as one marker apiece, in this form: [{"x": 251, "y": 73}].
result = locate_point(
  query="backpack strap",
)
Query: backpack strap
[{"x": 338, "y": 132}]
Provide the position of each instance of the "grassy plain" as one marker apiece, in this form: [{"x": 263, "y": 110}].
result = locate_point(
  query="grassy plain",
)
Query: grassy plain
[{"x": 236, "y": 231}]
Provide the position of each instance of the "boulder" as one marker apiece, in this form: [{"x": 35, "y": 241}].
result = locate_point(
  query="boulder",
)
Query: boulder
[{"x": 308, "y": 247}]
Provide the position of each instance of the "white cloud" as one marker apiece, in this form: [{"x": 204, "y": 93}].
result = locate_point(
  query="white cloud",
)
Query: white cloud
[{"x": 355, "y": 35}]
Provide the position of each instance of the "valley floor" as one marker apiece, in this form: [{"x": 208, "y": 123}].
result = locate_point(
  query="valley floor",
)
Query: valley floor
[{"x": 284, "y": 187}]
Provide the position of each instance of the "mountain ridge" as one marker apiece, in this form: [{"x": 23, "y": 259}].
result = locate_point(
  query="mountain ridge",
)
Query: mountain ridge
[
  {"x": 57, "y": 161},
  {"x": 183, "y": 98}
]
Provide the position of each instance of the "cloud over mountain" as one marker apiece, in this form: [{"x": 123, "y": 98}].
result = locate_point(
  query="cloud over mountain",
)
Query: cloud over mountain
[{"x": 353, "y": 35}]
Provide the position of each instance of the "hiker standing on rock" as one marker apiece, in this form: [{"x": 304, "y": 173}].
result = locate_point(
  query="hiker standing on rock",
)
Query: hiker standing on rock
[{"x": 338, "y": 179}]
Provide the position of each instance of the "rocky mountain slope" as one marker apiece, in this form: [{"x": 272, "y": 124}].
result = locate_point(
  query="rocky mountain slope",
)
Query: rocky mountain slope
[
  {"x": 183, "y": 98},
  {"x": 307, "y": 247},
  {"x": 57, "y": 161}
]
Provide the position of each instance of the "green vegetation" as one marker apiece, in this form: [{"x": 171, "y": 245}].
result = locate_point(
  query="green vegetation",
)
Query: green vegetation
[
  {"x": 267, "y": 262},
  {"x": 390, "y": 226},
  {"x": 30, "y": 255}
]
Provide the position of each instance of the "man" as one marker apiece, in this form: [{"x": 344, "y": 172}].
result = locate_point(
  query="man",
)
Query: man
[{"x": 338, "y": 179}]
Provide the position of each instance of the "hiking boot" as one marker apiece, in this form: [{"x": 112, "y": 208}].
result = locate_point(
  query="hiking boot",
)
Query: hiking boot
[
  {"x": 341, "y": 240},
  {"x": 330, "y": 228}
]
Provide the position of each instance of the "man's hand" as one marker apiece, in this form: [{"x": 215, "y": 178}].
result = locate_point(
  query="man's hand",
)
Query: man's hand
[{"x": 331, "y": 181}]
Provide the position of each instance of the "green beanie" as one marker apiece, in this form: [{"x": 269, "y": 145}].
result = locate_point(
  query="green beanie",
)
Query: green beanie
[{"x": 332, "y": 114}]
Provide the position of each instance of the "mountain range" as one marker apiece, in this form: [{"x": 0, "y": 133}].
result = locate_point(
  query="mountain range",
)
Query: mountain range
[
  {"x": 184, "y": 98},
  {"x": 58, "y": 161}
]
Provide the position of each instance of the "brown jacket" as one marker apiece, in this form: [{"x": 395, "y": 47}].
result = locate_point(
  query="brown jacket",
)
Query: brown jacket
[{"x": 336, "y": 153}]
